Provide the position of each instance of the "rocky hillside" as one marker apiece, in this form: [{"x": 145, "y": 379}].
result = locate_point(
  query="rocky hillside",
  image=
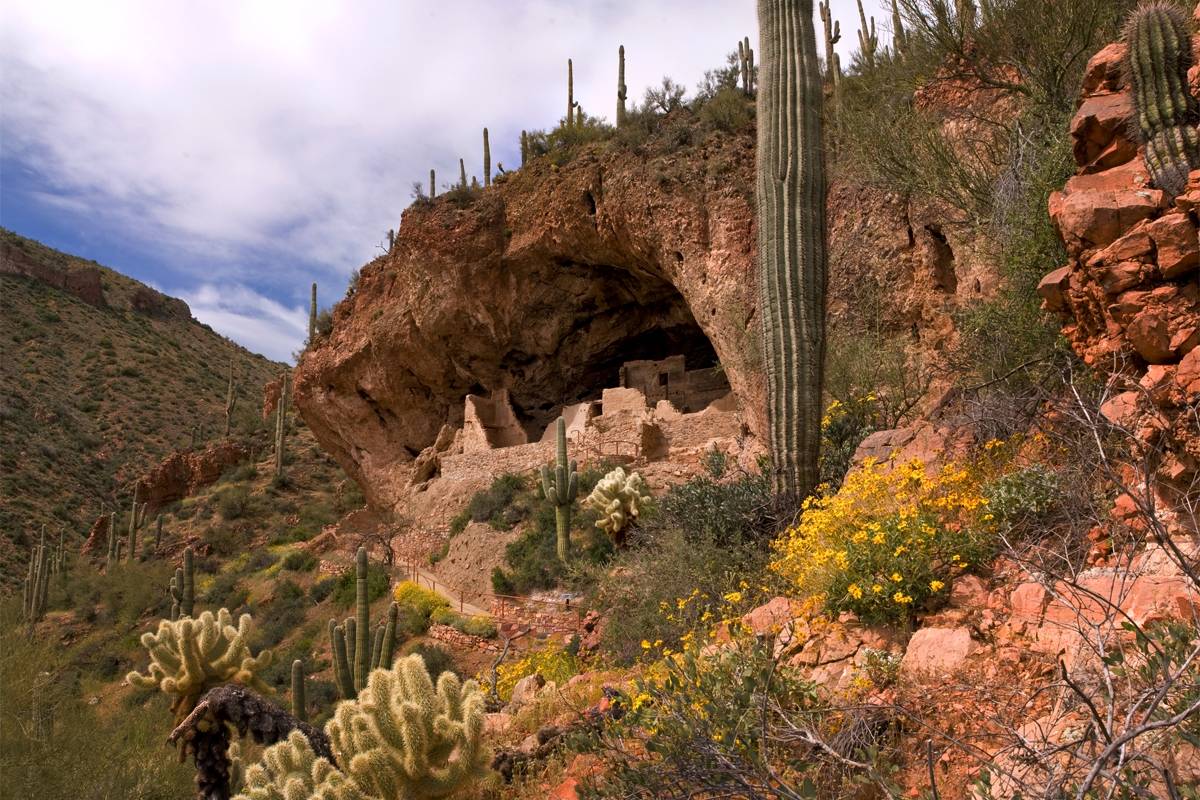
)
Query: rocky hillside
[{"x": 103, "y": 376}]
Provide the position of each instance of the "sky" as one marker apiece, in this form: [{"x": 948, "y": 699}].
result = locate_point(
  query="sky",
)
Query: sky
[{"x": 231, "y": 153}]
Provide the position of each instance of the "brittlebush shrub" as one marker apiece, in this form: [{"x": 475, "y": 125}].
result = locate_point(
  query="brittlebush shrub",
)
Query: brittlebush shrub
[
  {"x": 890, "y": 541},
  {"x": 554, "y": 663}
]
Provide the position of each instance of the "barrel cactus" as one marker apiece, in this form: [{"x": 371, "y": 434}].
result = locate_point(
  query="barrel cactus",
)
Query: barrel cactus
[
  {"x": 619, "y": 498},
  {"x": 1160, "y": 55},
  {"x": 403, "y": 739}
]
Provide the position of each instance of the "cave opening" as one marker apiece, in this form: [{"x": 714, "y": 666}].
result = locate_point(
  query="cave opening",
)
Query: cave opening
[{"x": 619, "y": 317}]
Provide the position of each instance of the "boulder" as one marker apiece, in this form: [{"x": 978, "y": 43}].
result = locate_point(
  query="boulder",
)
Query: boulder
[
  {"x": 525, "y": 691},
  {"x": 1100, "y": 130},
  {"x": 937, "y": 651},
  {"x": 1094, "y": 210}
]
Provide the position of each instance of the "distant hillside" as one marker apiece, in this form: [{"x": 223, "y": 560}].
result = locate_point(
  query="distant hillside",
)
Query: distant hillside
[{"x": 100, "y": 377}]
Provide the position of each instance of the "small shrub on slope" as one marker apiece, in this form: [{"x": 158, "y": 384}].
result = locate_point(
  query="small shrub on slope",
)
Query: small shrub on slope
[{"x": 890, "y": 541}]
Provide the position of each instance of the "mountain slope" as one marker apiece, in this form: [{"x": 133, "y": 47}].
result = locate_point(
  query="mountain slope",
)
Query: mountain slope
[{"x": 100, "y": 377}]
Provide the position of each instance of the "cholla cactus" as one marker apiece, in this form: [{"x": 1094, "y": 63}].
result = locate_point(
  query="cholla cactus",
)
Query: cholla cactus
[
  {"x": 403, "y": 739},
  {"x": 619, "y": 498},
  {"x": 190, "y": 656}
]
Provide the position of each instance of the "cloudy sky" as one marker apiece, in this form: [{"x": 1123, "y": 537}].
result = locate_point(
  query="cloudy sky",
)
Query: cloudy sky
[{"x": 230, "y": 153}]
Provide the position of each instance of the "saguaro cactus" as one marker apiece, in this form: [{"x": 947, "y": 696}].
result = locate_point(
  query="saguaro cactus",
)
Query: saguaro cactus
[
  {"x": 432, "y": 185},
  {"x": 231, "y": 395},
  {"x": 312, "y": 314},
  {"x": 833, "y": 35},
  {"x": 111, "y": 554},
  {"x": 792, "y": 246},
  {"x": 133, "y": 525},
  {"x": 868, "y": 41},
  {"x": 622, "y": 90},
  {"x": 37, "y": 582},
  {"x": 281, "y": 423},
  {"x": 355, "y": 652},
  {"x": 560, "y": 489},
  {"x": 158, "y": 533},
  {"x": 1160, "y": 55},
  {"x": 899, "y": 37},
  {"x": 487, "y": 160},
  {"x": 750, "y": 71},
  {"x": 299, "y": 703},
  {"x": 570, "y": 93},
  {"x": 183, "y": 587},
  {"x": 462, "y": 175}
]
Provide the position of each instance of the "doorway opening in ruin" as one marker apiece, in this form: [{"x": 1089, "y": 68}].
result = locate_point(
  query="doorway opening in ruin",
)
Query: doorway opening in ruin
[{"x": 632, "y": 328}]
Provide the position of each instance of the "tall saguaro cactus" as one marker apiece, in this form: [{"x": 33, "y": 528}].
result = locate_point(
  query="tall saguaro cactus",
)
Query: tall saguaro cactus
[
  {"x": 299, "y": 702},
  {"x": 312, "y": 318},
  {"x": 868, "y": 41},
  {"x": 183, "y": 588},
  {"x": 432, "y": 184},
  {"x": 356, "y": 652},
  {"x": 792, "y": 245},
  {"x": 487, "y": 160},
  {"x": 281, "y": 424},
  {"x": 833, "y": 35},
  {"x": 570, "y": 93},
  {"x": 899, "y": 37},
  {"x": 462, "y": 175},
  {"x": 622, "y": 91},
  {"x": 230, "y": 394},
  {"x": 561, "y": 490},
  {"x": 1160, "y": 55},
  {"x": 524, "y": 147}
]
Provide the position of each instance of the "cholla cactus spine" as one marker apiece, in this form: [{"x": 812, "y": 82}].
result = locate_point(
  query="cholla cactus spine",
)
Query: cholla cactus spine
[
  {"x": 190, "y": 656},
  {"x": 404, "y": 738},
  {"x": 618, "y": 498},
  {"x": 561, "y": 489},
  {"x": 1160, "y": 55}
]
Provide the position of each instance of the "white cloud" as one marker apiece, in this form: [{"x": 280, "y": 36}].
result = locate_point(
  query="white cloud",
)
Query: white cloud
[
  {"x": 245, "y": 315},
  {"x": 272, "y": 142}
]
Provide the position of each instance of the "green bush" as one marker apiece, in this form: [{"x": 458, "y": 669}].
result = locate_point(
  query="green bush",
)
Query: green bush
[
  {"x": 1019, "y": 499},
  {"x": 494, "y": 505},
  {"x": 232, "y": 501},
  {"x": 413, "y": 597},
  {"x": 299, "y": 561},
  {"x": 260, "y": 560},
  {"x": 481, "y": 626},
  {"x": 705, "y": 540},
  {"x": 729, "y": 111},
  {"x": 437, "y": 659},
  {"x": 49, "y": 733},
  {"x": 227, "y": 592},
  {"x": 321, "y": 590},
  {"x": 240, "y": 473},
  {"x": 532, "y": 559}
]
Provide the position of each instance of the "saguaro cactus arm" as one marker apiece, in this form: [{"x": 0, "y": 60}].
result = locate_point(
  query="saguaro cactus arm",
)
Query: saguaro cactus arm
[{"x": 792, "y": 247}]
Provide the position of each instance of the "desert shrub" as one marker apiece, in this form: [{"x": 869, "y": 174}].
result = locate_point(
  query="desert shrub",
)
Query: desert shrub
[
  {"x": 481, "y": 626},
  {"x": 299, "y": 561},
  {"x": 126, "y": 594},
  {"x": 224, "y": 540},
  {"x": 349, "y": 497},
  {"x": 729, "y": 111},
  {"x": 532, "y": 560},
  {"x": 459, "y": 523},
  {"x": 706, "y": 540},
  {"x": 260, "y": 560},
  {"x": 494, "y": 505},
  {"x": 346, "y": 588},
  {"x": 664, "y": 98},
  {"x": 843, "y": 428},
  {"x": 723, "y": 719},
  {"x": 232, "y": 501},
  {"x": 321, "y": 590},
  {"x": 240, "y": 473},
  {"x": 226, "y": 592},
  {"x": 553, "y": 663},
  {"x": 413, "y": 597},
  {"x": 889, "y": 541},
  {"x": 437, "y": 659},
  {"x": 1023, "y": 496},
  {"x": 49, "y": 733},
  {"x": 282, "y": 615}
]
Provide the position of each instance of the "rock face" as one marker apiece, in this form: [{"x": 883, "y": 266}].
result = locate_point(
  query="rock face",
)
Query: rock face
[
  {"x": 182, "y": 472},
  {"x": 544, "y": 285},
  {"x": 1129, "y": 293},
  {"x": 76, "y": 277}
]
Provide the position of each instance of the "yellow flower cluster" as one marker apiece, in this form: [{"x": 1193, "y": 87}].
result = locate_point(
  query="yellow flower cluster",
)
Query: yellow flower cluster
[
  {"x": 553, "y": 663},
  {"x": 889, "y": 539}
]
